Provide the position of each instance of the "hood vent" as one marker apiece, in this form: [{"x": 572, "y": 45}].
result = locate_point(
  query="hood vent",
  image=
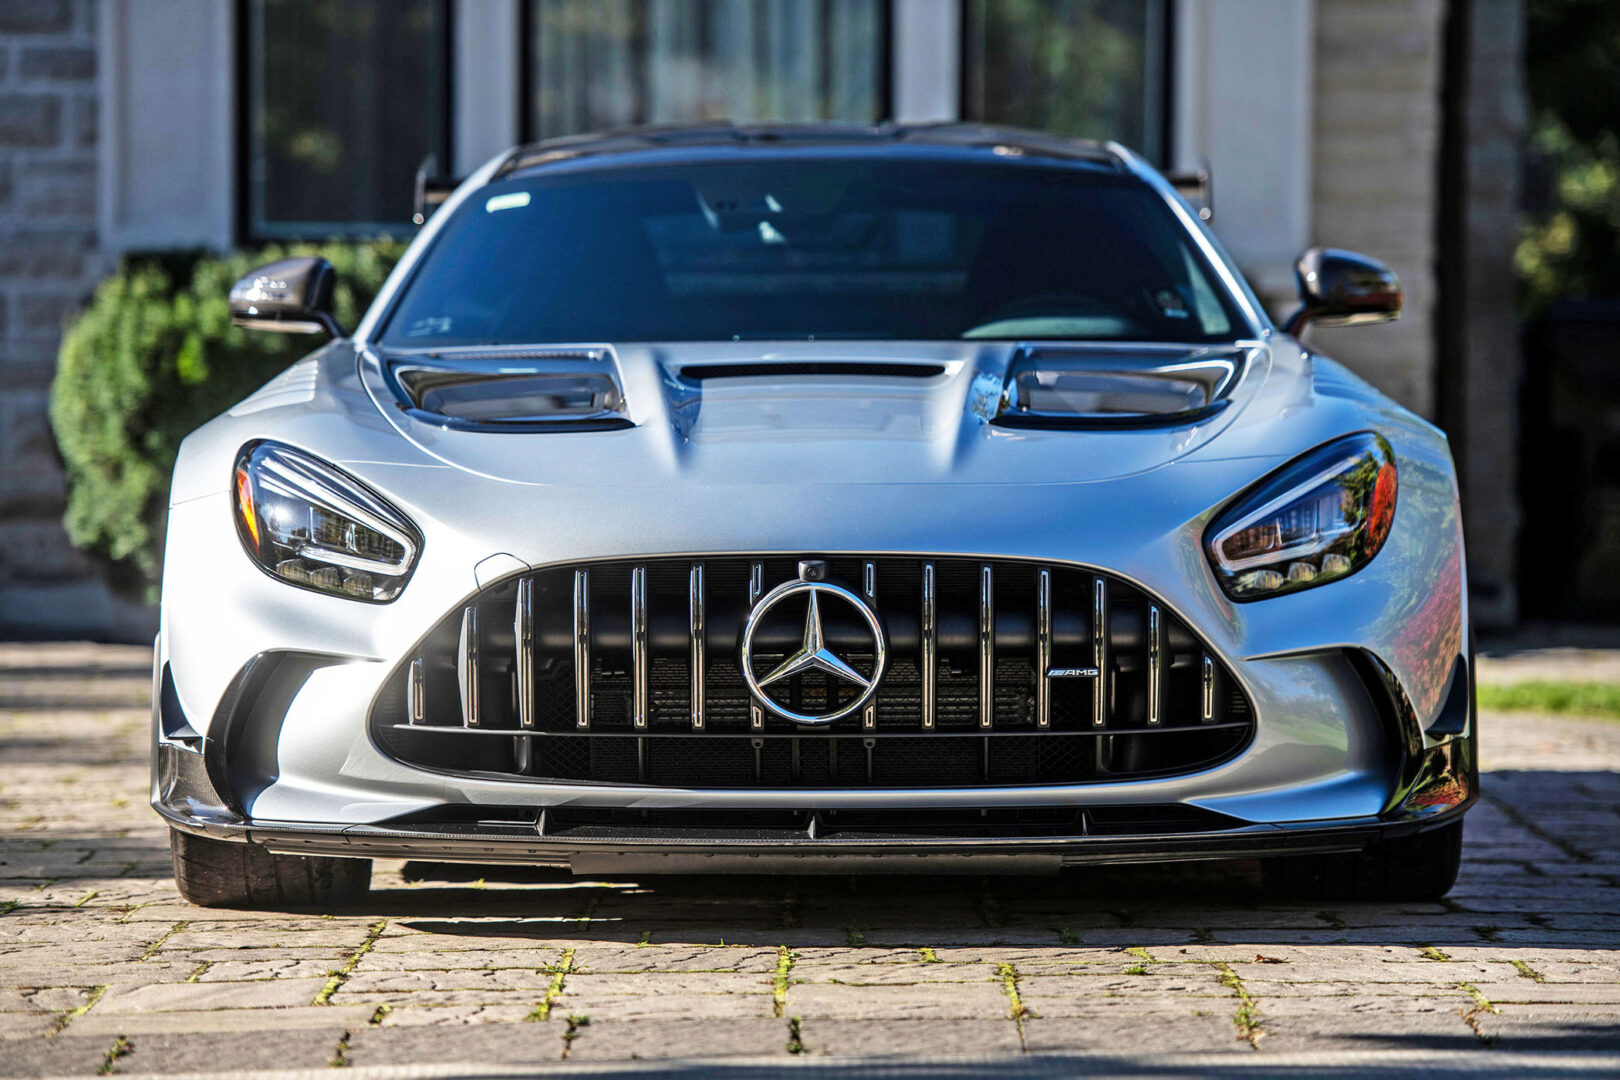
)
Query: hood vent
[
  {"x": 788, "y": 368},
  {"x": 512, "y": 392},
  {"x": 1047, "y": 387}
]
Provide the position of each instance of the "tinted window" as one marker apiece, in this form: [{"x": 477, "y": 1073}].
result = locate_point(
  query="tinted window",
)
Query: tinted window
[
  {"x": 813, "y": 248},
  {"x": 345, "y": 99}
]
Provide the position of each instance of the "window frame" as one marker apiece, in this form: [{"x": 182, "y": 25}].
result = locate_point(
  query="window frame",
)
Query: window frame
[{"x": 248, "y": 231}]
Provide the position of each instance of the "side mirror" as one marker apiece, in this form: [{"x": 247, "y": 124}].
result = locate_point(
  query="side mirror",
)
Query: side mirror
[
  {"x": 293, "y": 296},
  {"x": 1341, "y": 288}
]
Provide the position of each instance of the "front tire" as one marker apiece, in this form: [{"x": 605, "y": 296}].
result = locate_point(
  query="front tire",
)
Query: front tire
[
  {"x": 220, "y": 873},
  {"x": 1422, "y": 866}
]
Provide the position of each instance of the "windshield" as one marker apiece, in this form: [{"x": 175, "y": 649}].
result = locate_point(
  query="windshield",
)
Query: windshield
[{"x": 813, "y": 249}]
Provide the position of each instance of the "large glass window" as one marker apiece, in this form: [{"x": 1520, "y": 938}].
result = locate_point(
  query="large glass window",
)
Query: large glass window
[
  {"x": 811, "y": 246},
  {"x": 596, "y": 64},
  {"x": 1091, "y": 68},
  {"x": 344, "y": 99}
]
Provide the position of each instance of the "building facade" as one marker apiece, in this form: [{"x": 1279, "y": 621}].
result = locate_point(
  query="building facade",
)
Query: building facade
[{"x": 1390, "y": 127}]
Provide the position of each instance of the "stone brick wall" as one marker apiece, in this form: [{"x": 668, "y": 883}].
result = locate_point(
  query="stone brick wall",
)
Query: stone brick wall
[
  {"x": 1377, "y": 141},
  {"x": 49, "y": 263}
]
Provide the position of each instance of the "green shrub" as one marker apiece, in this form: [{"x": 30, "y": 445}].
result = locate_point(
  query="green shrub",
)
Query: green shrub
[{"x": 152, "y": 357}]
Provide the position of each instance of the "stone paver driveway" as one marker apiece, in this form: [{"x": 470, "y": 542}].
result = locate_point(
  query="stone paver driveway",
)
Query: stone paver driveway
[{"x": 103, "y": 968}]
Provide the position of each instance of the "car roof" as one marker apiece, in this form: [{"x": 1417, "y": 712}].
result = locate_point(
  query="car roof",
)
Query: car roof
[{"x": 689, "y": 141}]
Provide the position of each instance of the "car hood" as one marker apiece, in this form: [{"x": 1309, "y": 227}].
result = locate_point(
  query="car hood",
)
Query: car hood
[{"x": 808, "y": 413}]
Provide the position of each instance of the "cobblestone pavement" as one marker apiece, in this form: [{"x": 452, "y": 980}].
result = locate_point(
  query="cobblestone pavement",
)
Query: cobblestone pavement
[{"x": 103, "y": 967}]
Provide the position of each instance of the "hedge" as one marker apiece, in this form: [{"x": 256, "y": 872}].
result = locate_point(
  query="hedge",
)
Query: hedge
[{"x": 152, "y": 357}]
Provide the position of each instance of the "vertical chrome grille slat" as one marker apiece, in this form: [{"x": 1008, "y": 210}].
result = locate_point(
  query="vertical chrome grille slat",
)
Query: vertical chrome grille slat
[
  {"x": 1099, "y": 651},
  {"x": 1155, "y": 665},
  {"x": 869, "y": 588},
  {"x": 418, "y": 692},
  {"x": 756, "y": 589},
  {"x": 582, "y": 648},
  {"x": 1208, "y": 716},
  {"x": 523, "y": 634},
  {"x": 467, "y": 667},
  {"x": 987, "y": 648},
  {"x": 640, "y": 663},
  {"x": 1002, "y": 675},
  {"x": 928, "y": 663},
  {"x": 699, "y": 645},
  {"x": 1043, "y": 648}
]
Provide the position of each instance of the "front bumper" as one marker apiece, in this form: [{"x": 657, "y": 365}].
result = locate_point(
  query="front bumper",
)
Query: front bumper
[{"x": 1442, "y": 783}]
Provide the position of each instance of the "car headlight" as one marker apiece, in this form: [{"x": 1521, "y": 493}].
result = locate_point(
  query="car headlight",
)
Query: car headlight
[
  {"x": 312, "y": 525},
  {"x": 1321, "y": 517}
]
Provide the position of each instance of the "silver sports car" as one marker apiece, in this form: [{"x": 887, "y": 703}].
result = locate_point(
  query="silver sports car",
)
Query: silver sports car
[{"x": 776, "y": 499}]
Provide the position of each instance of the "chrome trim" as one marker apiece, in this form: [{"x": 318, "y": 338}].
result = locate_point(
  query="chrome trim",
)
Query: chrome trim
[
  {"x": 813, "y": 654},
  {"x": 582, "y": 648},
  {"x": 418, "y": 692},
  {"x": 467, "y": 666},
  {"x": 869, "y": 587},
  {"x": 987, "y": 648},
  {"x": 1209, "y": 689},
  {"x": 1099, "y": 651},
  {"x": 929, "y": 662},
  {"x": 523, "y": 633},
  {"x": 699, "y": 645},
  {"x": 639, "y": 662},
  {"x": 1155, "y": 665},
  {"x": 1043, "y": 648},
  {"x": 756, "y": 589}
]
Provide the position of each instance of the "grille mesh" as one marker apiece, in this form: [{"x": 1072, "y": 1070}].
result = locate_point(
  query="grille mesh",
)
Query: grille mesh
[{"x": 620, "y": 637}]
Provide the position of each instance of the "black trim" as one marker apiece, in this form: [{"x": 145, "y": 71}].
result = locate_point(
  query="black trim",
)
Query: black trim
[
  {"x": 1105, "y": 422},
  {"x": 520, "y": 843},
  {"x": 785, "y": 369}
]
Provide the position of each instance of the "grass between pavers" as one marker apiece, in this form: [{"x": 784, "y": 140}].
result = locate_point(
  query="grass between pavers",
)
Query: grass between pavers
[
  {"x": 1017, "y": 1011},
  {"x": 1470, "y": 1015},
  {"x": 559, "y": 978},
  {"x": 341, "y": 975},
  {"x": 1598, "y": 699},
  {"x": 109, "y": 1062},
  {"x": 68, "y": 1017},
  {"x": 1247, "y": 1017},
  {"x": 779, "y": 987}
]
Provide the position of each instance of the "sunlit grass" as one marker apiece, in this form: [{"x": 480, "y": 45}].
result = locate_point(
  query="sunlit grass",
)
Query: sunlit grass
[{"x": 1574, "y": 698}]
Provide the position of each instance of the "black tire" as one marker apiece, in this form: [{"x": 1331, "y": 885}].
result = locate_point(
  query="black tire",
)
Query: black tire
[
  {"x": 1422, "y": 866},
  {"x": 219, "y": 873}
]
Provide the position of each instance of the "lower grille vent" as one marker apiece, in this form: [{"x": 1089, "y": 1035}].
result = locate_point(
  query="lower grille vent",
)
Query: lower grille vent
[{"x": 999, "y": 672}]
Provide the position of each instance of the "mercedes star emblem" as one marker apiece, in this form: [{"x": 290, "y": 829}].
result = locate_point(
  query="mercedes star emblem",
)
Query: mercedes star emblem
[{"x": 813, "y": 654}]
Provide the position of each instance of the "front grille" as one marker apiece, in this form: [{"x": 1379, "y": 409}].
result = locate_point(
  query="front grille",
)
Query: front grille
[{"x": 1001, "y": 672}]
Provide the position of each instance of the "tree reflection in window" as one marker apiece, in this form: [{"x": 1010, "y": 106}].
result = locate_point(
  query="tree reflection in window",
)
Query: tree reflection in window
[
  {"x": 344, "y": 99},
  {"x": 1091, "y": 68},
  {"x": 596, "y": 64}
]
